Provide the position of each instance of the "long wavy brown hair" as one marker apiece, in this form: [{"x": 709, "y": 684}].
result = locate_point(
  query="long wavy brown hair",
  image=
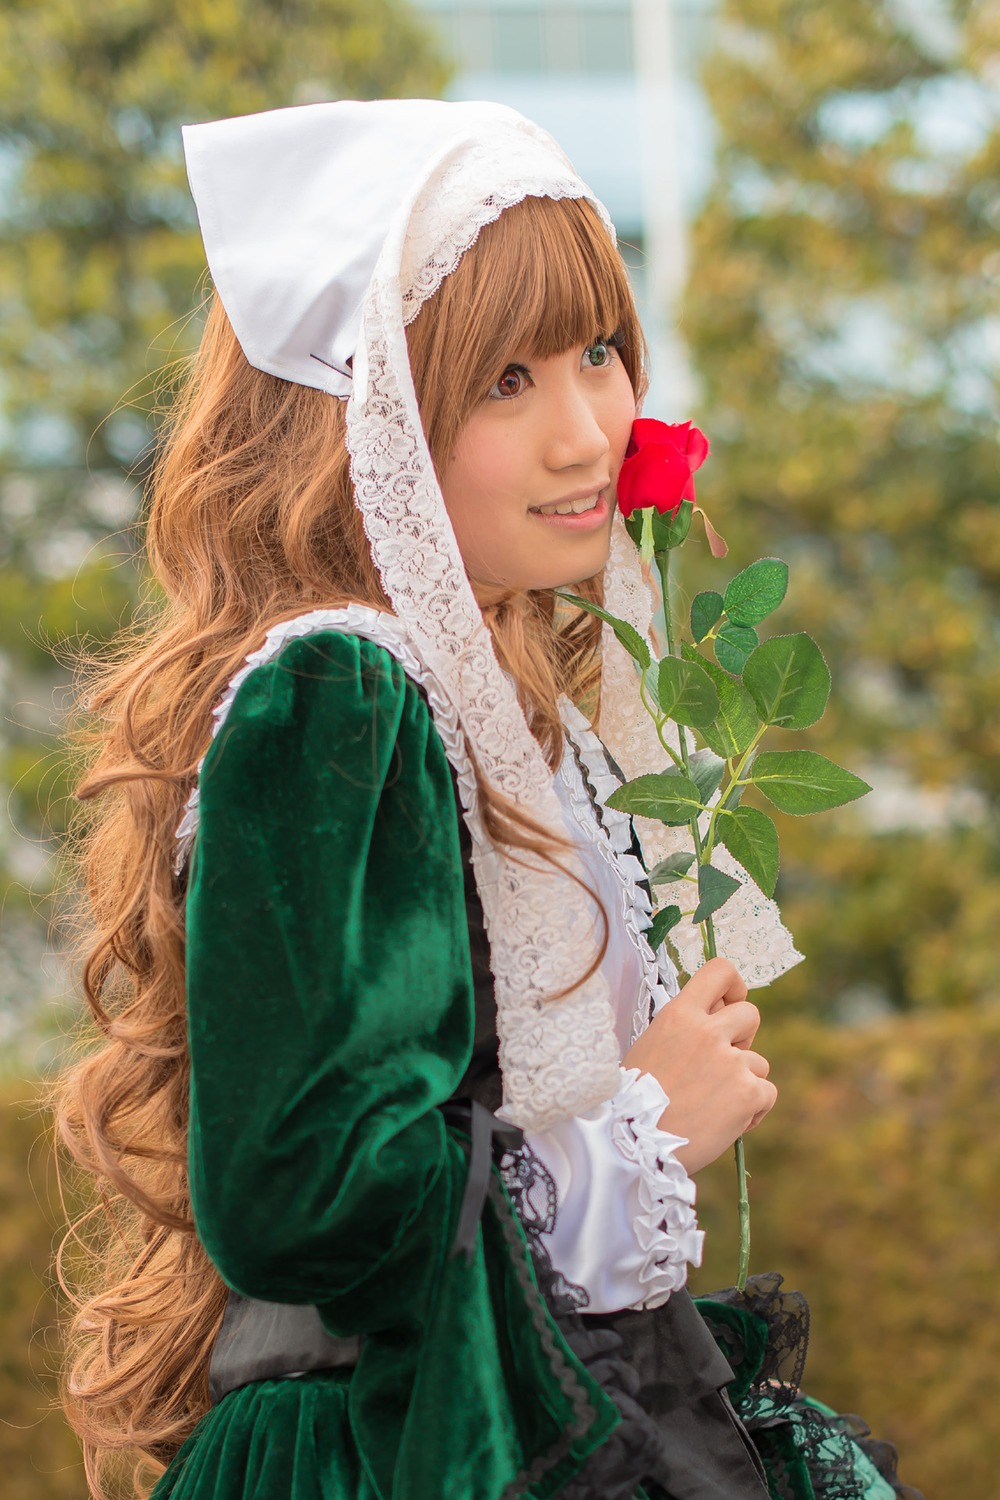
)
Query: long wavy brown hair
[{"x": 252, "y": 521}]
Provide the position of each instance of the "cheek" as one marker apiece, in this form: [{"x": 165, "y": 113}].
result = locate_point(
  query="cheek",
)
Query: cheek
[
  {"x": 482, "y": 486},
  {"x": 471, "y": 473},
  {"x": 619, "y": 415}
]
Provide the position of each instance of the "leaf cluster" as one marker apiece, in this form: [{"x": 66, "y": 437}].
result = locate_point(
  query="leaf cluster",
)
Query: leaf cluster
[{"x": 729, "y": 704}]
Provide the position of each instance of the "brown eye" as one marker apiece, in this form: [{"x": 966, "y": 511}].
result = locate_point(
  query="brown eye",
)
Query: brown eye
[{"x": 512, "y": 382}]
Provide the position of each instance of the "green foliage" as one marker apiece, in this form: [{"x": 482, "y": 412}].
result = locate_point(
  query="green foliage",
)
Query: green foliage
[
  {"x": 714, "y": 890},
  {"x": 671, "y": 530},
  {"x": 756, "y": 592},
  {"x": 752, "y": 839},
  {"x": 663, "y": 922},
  {"x": 706, "y": 610},
  {"x": 788, "y": 681},
  {"x": 666, "y": 795},
  {"x": 733, "y": 645},
  {"x": 670, "y": 869},
  {"x": 847, "y": 269},
  {"x": 802, "y": 782},
  {"x": 874, "y": 1192},
  {"x": 707, "y": 770},
  {"x": 624, "y": 632},
  {"x": 736, "y": 724},
  {"x": 685, "y": 692}
]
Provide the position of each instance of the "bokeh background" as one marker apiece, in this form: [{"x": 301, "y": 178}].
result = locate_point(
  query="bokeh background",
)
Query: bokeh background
[{"x": 810, "y": 199}]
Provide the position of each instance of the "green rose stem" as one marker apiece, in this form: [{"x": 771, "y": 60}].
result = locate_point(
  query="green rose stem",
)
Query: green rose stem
[{"x": 708, "y": 927}]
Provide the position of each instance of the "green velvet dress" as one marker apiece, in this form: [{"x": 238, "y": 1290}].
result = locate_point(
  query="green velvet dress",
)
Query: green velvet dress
[{"x": 330, "y": 1010}]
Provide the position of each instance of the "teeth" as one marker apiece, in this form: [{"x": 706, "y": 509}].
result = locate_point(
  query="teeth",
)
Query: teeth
[{"x": 570, "y": 508}]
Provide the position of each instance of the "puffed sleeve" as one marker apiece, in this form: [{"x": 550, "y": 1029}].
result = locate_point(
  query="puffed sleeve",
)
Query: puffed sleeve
[{"x": 328, "y": 987}]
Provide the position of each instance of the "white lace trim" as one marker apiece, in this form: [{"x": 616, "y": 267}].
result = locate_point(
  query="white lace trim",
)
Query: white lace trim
[
  {"x": 612, "y": 835},
  {"x": 666, "y": 1226},
  {"x": 748, "y": 929},
  {"x": 558, "y": 1058},
  {"x": 545, "y": 1042}
]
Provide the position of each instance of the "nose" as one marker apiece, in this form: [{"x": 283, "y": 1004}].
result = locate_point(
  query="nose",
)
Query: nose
[{"x": 576, "y": 436}]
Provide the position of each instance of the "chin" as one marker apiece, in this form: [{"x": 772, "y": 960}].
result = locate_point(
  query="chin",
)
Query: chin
[{"x": 581, "y": 571}]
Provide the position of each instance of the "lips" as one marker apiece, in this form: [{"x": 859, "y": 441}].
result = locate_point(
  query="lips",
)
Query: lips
[
  {"x": 579, "y": 513},
  {"x": 568, "y": 507},
  {"x": 579, "y": 503}
]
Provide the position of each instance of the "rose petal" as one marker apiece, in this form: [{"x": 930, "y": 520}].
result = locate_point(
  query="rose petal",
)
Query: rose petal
[
  {"x": 697, "y": 449},
  {"x": 657, "y": 476}
]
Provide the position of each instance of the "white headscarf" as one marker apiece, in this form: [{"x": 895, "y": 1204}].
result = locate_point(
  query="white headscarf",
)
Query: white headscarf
[{"x": 326, "y": 228}]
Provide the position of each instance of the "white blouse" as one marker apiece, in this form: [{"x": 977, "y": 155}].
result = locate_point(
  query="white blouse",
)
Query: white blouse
[{"x": 625, "y": 1228}]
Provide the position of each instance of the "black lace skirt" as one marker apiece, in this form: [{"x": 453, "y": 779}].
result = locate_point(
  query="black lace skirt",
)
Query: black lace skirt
[{"x": 712, "y": 1406}]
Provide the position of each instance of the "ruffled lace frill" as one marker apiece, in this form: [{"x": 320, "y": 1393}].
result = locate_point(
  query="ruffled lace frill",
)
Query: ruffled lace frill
[
  {"x": 666, "y": 1226},
  {"x": 810, "y": 1452}
]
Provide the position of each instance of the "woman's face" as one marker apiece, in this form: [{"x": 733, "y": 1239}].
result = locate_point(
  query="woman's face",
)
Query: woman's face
[{"x": 530, "y": 485}]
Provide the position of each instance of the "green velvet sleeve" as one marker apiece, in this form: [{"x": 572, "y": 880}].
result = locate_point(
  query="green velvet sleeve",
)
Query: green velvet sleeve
[{"x": 329, "y": 988}]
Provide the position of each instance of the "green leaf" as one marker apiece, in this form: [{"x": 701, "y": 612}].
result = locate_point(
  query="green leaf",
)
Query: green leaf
[
  {"x": 706, "y": 772},
  {"x": 736, "y": 723},
  {"x": 686, "y": 692},
  {"x": 670, "y": 869},
  {"x": 754, "y": 593},
  {"x": 802, "y": 782},
  {"x": 624, "y": 632},
  {"x": 706, "y": 609},
  {"x": 665, "y": 795},
  {"x": 789, "y": 681},
  {"x": 633, "y": 525},
  {"x": 751, "y": 837},
  {"x": 670, "y": 530},
  {"x": 662, "y": 924},
  {"x": 733, "y": 645},
  {"x": 714, "y": 890}
]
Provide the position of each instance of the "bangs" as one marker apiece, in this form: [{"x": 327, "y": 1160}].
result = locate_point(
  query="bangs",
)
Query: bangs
[
  {"x": 564, "y": 280},
  {"x": 544, "y": 277}
]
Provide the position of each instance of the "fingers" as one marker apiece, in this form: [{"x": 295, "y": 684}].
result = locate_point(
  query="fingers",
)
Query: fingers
[
  {"x": 770, "y": 1096},
  {"x": 739, "y": 1021},
  {"x": 716, "y": 983}
]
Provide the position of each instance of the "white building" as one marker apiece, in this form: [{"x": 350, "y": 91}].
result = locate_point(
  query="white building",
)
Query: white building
[{"x": 616, "y": 82}]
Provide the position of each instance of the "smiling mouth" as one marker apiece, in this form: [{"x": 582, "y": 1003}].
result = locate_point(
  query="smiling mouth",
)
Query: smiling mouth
[{"x": 568, "y": 507}]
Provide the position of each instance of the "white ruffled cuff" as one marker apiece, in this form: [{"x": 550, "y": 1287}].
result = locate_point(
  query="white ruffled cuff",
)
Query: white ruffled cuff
[
  {"x": 623, "y": 1229},
  {"x": 666, "y": 1225}
]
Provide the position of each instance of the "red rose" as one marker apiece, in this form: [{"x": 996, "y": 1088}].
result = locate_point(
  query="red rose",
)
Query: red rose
[{"x": 659, "y": 466}]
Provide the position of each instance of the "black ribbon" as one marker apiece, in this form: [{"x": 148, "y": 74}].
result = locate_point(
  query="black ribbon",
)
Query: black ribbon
[{"x": 490, "y": 1139}]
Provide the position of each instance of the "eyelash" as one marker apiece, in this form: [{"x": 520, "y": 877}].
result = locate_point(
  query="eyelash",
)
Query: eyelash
[{"x": 614, "y": 341}]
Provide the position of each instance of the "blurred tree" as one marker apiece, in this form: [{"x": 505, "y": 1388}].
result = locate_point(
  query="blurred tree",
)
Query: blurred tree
[
  {"x": 843, "y": 319},
  {"x": 874, "y": 1193},
  {"x": 99, "y": 268},
  {"x": 39, "y": 1455}
]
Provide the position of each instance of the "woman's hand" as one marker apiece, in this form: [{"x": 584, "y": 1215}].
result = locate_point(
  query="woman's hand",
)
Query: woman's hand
[{"x": 698, "y": 1049}]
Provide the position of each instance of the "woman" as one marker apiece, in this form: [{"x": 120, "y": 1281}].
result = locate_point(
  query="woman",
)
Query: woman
[{"x": 397, "y": 898}]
